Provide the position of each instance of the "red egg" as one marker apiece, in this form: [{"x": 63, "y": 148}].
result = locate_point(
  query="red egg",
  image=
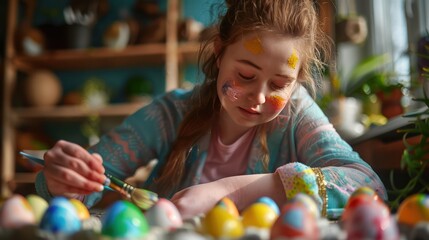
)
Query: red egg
[
  {"x": 366, "y": 191},
  {"x": 295, "y": 221},
  {"x": 371, "y": 220},
  {"x": 356, "y": 200}
]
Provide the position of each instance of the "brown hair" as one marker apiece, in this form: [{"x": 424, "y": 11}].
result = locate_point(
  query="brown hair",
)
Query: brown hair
[{"x": 293, "y": 18}]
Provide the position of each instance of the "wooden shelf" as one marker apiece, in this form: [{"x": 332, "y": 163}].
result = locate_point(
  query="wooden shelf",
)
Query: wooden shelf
[
  {"x": 97, "y": 58},
  {"x": 172, "y": 54},
  {"x": 25, "y": 177},
  {"x": 77, "y": 111}
]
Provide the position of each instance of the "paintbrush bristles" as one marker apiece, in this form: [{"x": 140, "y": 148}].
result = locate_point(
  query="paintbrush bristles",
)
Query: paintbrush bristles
[
  {"x": 143, "y": 198},
  {"x": 140, "y": 197}
]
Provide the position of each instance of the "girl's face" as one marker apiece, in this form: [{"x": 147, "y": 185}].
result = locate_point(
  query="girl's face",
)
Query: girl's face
[{"x": 257, "y": 75}]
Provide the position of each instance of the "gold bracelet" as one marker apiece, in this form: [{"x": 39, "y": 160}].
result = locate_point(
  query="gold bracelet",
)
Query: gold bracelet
[{"x": 322, "y": 189}]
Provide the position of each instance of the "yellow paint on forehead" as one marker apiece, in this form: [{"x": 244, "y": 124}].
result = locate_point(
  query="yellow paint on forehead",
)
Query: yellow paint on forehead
[
  {"x": 293, "y": 60},
  {"x": 254, "y": 45}
]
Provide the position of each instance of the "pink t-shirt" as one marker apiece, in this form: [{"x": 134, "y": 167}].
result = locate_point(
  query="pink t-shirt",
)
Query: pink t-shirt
[{"x": 227, "y": 160}]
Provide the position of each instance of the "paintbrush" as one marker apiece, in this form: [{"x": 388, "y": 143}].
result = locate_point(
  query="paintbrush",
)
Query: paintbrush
[{"x": 143, "y": 198}]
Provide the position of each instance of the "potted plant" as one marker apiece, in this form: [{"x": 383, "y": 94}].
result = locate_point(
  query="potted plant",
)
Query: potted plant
[
  {"x": 415, "y": 157},
  {"x": 349, "y": 96}
]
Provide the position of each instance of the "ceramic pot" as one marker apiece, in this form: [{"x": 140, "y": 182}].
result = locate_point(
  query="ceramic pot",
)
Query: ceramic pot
[
  {"x": 42, "y": 88},
  {"x": 345, "y": 114}
]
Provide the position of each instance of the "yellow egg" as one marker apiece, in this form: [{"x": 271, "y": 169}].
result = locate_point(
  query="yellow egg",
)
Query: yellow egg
[
  {"x": 259, "y": 215},
  {"x": 229, "y": 205},
  {"x": 81, "y": 209},
  {"x": 219, "y": 223},
  {"x": 414, "y": 209},
  {"x": 38, "y": 206}
]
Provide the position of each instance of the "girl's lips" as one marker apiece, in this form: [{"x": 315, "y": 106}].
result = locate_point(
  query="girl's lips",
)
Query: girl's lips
[{"x": 251, "y": 111}]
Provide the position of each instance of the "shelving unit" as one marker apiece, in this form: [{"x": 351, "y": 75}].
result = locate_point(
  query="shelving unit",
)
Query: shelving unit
[{"x": 172, "y": 54}]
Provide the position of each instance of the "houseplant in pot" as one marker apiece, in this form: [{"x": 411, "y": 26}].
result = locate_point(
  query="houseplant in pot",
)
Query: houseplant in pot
[
  {"x": 415, "y": 157},
  {"x": 346, "y": 103}
]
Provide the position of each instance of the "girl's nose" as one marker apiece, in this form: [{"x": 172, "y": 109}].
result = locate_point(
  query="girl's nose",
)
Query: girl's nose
[{"x": 257, "y": 96}]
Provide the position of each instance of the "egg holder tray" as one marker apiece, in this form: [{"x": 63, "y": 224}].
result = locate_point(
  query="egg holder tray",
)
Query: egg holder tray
[{"x": 91, "y": 230}]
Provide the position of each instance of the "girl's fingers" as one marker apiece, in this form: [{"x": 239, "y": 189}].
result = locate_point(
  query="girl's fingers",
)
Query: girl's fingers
[
  {"x": 71, "y": 179},
  {"x": 77, "y": 151},
  {"x": 74, "y": 157}
]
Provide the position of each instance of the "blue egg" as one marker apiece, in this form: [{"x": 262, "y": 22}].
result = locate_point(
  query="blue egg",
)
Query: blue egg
[
  {"x": 60, "y": 217},
  {"x": 270, "y": 202}
]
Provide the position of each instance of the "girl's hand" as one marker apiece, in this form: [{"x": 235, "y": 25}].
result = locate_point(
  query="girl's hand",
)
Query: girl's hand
[
  {"x": 71, "y": 170},
  {"x": 198, "y": 199}
]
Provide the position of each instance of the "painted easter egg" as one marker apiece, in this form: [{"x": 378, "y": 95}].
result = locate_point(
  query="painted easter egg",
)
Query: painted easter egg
[
  {"x": 308, "y": 202},
  {"x": 366, "y": 191},
  {"x": 124, "y": 220},
  {"x": 259, "y": 215},
  {"x": 164, "y": 214},
  {"x": 60, "y": 217},
  {"x": 414, "y": 209},
  {"x": 355, "y": 201},
  {"x": 81, "y": 210},
  {"x": 16, "y": 212},
  {"x": 371, "y": 220},
  {"x": 229, "y": 205},
  {"x": 38, "y": 206},
  {"x": 270, "y": 202},
  {"x": 295, "y": 221},
  {"x": 219, "y": 223}
]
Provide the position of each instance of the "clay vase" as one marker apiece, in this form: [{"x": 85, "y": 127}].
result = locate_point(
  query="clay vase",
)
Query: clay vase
[
  {"x": 42, "y": 88},
  {"x": 391, "y": 103}
]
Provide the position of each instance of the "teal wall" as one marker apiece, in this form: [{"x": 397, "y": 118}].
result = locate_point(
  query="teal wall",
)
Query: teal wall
[{"x": 50, "y": 12}]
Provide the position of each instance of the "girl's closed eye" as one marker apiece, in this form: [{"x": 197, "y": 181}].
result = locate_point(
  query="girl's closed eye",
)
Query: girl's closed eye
[
  {"x": 280, "y": 85},
  {"x": 246, "y": 76}
]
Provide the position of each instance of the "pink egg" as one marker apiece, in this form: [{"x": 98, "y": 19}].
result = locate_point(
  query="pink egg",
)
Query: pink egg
[
  {"x": 164, "y": 214},
  {"x": 16, "y": 212},
  {"x": 371, "y": 220},
  {"x": 295, "y": 221}
]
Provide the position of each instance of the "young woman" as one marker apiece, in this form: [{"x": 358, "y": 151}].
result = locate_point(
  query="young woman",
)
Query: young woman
[{"x": 251, "y": 129}]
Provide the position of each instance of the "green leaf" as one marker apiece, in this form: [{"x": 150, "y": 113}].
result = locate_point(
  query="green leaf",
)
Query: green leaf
[{"x": 364, "y": 68}]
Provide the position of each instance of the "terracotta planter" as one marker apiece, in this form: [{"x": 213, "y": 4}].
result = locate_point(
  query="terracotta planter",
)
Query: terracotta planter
[{"x": 391, "y": 105}]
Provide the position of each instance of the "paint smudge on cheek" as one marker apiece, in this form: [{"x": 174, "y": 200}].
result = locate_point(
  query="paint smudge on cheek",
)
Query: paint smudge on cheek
[
  {"x": 277, "y": 102},
  {"x": 231, "y": 90},
  {"x": 293, "y": 60},
  {"x": 254, "y": 46}
]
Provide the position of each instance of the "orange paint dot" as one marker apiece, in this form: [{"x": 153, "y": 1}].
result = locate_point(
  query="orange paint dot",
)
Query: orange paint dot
[
  {"x": 277, "y": 101},
  {"x": 254, "y": 46}
]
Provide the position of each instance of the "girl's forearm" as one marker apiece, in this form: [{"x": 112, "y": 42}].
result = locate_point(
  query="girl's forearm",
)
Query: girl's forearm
[{"x": 246, "y": 189}]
